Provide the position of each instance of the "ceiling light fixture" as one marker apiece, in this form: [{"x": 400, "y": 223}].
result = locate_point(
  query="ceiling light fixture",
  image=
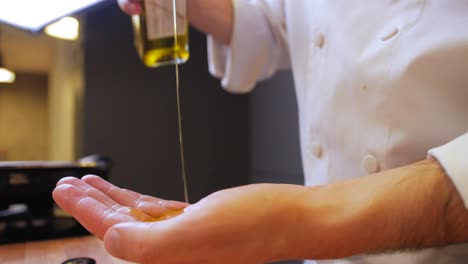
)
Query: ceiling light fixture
[
  {"x": 34, "y": 15},
  {"x": 67, "y": 28},
  {"x": 6, "y": 75}
]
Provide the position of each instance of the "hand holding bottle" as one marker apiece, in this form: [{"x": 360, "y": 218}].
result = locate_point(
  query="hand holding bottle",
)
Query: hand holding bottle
[
  {"x": 131, "y": 7},
  {"x": 214, "y": 17}
]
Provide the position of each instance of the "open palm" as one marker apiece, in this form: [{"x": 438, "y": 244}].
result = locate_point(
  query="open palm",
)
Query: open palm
[
  {"x": 98, "y": 205},
  {"x": 241, "y": 225}
]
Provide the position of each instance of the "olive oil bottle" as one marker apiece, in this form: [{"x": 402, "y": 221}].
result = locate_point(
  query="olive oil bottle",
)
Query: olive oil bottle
[
  {"x": 161, "y": 33},
  {"x": 161, "y": 38}
]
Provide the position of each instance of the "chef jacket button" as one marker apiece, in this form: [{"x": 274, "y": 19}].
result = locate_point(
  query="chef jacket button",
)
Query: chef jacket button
[
  {"x": 319, "y": 40},
  {"x": 371, "y": 164},
  {"x": 316, "y": 149},
  {"x": 390, "y": 34}
]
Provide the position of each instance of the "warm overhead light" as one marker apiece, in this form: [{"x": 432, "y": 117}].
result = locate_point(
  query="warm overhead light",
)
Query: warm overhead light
[
  {"x": 66, "y": 28},
  {"x": 6, "y": 76},
  {"x": 34, "y": 15}
]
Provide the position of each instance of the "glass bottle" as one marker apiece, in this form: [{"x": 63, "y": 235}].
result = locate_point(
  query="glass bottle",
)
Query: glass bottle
[{"x": 158, "y": 40}]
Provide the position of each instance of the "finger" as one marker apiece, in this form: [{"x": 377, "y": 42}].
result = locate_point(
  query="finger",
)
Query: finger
[
  {"x": 137, "y": 242},
  {"x": 131, "y": 7},
  {"x": 96, "y": 217},
  {"x": 121, "y": 196},
  {"x": 101, "y": 197},
  {"x": 135, "y": 194},
  {"x": 90, "y": 191},
  {"x": 148, "y": 202},
  {"x": 168, "y": 204},
  {"x": 152, "y": 206},
  {"x": 161, "y": 209},
  {"x": 157, "y": 241}
]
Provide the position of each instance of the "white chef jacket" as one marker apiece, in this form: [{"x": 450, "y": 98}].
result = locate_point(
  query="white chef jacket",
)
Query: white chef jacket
[{"x": 380, "y": 84}]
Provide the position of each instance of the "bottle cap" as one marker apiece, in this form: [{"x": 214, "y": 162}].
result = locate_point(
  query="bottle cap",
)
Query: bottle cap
[{"x": 80, "y": 261}]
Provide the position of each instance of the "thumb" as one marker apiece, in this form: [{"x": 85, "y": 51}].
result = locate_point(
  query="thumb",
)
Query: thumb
[{"x": 134, "y": 242}]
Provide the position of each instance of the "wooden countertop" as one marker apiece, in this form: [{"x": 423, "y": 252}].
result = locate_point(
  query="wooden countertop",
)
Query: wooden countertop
[{"x": 56, "y": 251}]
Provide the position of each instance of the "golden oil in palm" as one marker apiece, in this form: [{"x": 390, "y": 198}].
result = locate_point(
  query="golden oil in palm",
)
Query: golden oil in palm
[
  {"x": 155, "y": 38},
  {"x": 141, "y": 216}
]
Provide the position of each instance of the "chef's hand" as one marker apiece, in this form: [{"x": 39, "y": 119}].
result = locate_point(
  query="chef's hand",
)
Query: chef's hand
[
  {"x": 99, "y": 205},
  {"x": 415, "y": 206},
  {"x": 246, "y": 225},
  {"x": 214, "y": 17}
]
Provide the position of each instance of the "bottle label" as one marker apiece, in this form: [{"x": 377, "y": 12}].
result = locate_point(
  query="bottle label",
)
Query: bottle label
[{"x": 160, "y": 18}]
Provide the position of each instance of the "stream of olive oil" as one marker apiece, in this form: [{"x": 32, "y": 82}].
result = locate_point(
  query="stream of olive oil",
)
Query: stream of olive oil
[
  {"x": 179, "y": 110},
  {"x": 154, "y": 53}
]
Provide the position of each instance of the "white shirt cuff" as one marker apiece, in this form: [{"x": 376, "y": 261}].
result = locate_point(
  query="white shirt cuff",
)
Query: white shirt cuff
[
  {"x": 254, "y": 54},
  {"x": 454, "y": 159}
]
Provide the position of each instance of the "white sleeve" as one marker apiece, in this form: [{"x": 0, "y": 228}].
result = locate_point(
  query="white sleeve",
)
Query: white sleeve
[
  {"x": 454, "y": 159},
  {"x": 258, "y": 46}
]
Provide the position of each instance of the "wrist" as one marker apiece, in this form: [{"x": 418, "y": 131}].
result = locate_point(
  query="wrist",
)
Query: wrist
[
  {"x": 333, "y": 221},
  {"x": 213, "y": 17},
  {"x": 402, "y": 208},
  {"x": 319, "y": 223},
  {"x": 454, "y": 214},
  {"x": 285, "y": 220}
]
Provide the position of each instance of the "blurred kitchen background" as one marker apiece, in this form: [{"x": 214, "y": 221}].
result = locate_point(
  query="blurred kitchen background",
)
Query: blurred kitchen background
[{"x": 92, "y": 95}]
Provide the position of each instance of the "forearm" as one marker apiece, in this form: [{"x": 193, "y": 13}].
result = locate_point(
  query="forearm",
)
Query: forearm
[
  {"x": 213, "y": 17},
  {"x": 412, "y": 207}
]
